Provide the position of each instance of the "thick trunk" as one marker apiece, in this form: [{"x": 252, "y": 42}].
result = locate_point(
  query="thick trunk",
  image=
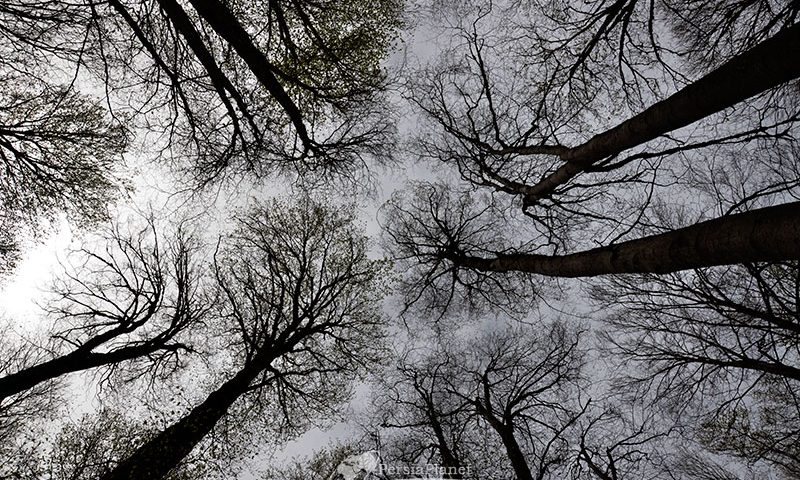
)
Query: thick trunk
[
  {"x": 771, "y": 367},
  {"x": 515, "y": 455},
  {"x": 183, "y": 24},
  {"x": 225, "y": 24},
  {"x": 506, "y": 432},
  {"x": 765, "y": 234},
  {"x": 72, "y": 362},
  {"x": 769, "y": 64},
  {"x": 157, "y": 457}
]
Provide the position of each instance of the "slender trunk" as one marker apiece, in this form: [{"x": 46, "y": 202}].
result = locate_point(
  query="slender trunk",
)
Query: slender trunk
[
  {"x": 76, "y": 361},
  {"x": 767, "y": 65},
  {"x": 156, "y": 458},
  {"x": 449, "y": 460},
  {"x": 225, "y": 24},
  {"x": 765, "y": 234}
]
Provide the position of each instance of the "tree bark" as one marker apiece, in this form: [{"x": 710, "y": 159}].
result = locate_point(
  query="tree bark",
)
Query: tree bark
[
  {"x": 156, "y": 458},
  {"x": 449, "y": 460},
  {"x": 506, "y": 432},
  {"x": 515, "y": 455},
  {"x": 765, "y": 234},
  {"x": 767, "y": 65}
]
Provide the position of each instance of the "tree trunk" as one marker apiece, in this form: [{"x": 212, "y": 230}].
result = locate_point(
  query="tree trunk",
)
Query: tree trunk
[
  {"x": 515, "y": 455},
  {"x": 225, "y": 24},
  {"x": 156, "y": 458},
  {"x": 449, "y": 460},
  {"x": 762, "y": 235},
  {"x": 767, "y": 65},
  {"x": 72, "y": 362}
]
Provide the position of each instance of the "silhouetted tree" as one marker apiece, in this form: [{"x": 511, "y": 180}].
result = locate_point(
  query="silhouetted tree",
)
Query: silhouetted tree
[
  {"x": 131, "y": 301},
  {"x": 719, "y": 347},
  {"x": 524, "y": 107},
  {"x": 300, "y": 316}
]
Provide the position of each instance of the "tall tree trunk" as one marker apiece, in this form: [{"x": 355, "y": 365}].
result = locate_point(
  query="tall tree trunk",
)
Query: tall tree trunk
[
  {"x": 225, "y": 24},
  {"x": 769, "y": 64},
  {"x": 506, "y": 432},
  {"x": 449, "y": 460},
  {"x": 514, "y": 453},
  {"x": 76, "y": 361},
  {"x": 157, "y": 457},
  {"x": 765, "y": 234}
]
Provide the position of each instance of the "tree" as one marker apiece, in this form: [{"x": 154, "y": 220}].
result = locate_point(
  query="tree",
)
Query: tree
[
  {"x": 132, "y": 301},
  {"x": 515, "y": 390},
  {"x": 321, "y": 464},
  {"x": 411, "y": 397},
  {"x": 87, "y": 449},
  {"x": 281, "y": 86},
  {"x": 505, "y": 127},
  {"x": 59, "y": 152},
  {"x": 300, "y": 314},
  {"x": 728, "y": 337}
]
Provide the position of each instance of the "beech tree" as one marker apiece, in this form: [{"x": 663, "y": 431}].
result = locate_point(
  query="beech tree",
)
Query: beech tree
[
  {"x": 575, "y": 169},
  {"x": 504, "y": 402},
  {"x": 231, "y": 86},
  {"x": 134, "y": 300},
  {"x": 300, "y": 316}
]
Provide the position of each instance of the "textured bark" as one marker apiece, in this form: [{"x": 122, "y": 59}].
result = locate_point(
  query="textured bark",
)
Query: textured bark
[
  {"x": 766, "y": 234},
  {"x": 225, "y": 24},
  {"x": 767, "y": 65},
  {"x": 157, "y": 457}
]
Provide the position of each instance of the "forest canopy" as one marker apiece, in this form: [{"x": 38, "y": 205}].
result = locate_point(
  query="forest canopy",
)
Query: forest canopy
[{"x": 348, "y": 240}]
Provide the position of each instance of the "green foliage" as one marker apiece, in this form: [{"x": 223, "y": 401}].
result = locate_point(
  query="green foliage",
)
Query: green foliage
[{"x": 58, "y": 154}]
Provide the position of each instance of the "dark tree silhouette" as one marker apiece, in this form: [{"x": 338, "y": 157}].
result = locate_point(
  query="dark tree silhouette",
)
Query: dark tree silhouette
[
  {"x": 300, "y": 312},
  {"x": 728, "y": 337},
  {"x": 262, "y": 87},
  {"x": 58, "y": 151},
  {"x": 575, "y": 170},
  {"x": 132, "y": 301}
]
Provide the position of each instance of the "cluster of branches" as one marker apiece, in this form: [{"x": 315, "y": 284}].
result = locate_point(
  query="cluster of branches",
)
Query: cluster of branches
[
  {"x": 290, "y": 299},
  {"x": 510, "y": 403},
  {"x": 523, "y": 141},
  {"x": 260, "y": 86},
  {"x": 653, "y": 146},
  {"x": 216, "y": 88}
]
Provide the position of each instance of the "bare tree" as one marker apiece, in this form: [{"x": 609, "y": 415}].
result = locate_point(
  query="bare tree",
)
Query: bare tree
[
  {"x": 727, "y": 337},
  {"x": 516, "y": 390},
  {"x": 300, "y": 315},
  {"x": 132, "y": 301},
  {"x": 538, "y": 124},
  {"x": 411, "y": 397}
]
